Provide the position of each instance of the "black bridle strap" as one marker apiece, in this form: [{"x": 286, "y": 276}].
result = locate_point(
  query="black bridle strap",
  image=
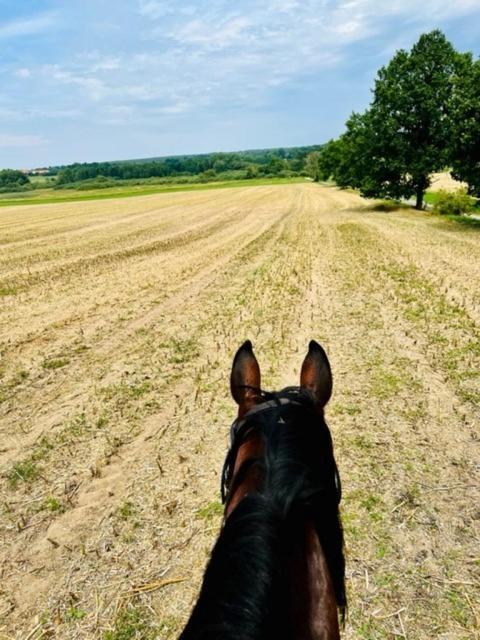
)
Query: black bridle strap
[
  {"x": 241, "y": 427},
  {"x": 238, "y": 433}
]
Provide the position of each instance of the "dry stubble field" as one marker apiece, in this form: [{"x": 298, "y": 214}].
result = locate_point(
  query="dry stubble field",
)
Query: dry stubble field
[{"x": 118, "y": 322}]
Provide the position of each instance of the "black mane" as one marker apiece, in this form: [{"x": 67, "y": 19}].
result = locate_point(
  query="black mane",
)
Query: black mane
[{"x": 243, "y": 593}]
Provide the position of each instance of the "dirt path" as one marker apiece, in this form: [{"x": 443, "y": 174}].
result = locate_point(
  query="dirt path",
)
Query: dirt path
[{"x": 118, "y": 323}]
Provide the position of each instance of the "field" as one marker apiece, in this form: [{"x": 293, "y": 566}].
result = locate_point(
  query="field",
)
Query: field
[
  {"x": 118, "y": 323},
  {"x": 49, "y": 195}
]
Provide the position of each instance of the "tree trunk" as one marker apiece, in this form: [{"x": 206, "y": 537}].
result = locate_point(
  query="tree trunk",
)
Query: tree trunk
[{"x": 419, "y": 203}]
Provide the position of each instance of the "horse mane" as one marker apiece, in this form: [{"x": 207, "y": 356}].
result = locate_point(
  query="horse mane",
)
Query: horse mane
[{"x": 244, "y": 584}]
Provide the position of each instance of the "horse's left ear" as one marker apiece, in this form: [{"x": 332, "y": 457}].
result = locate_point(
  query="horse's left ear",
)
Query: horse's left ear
[
  {"x": 316, "y": 375},
  {"x": 245, "y": 377}
]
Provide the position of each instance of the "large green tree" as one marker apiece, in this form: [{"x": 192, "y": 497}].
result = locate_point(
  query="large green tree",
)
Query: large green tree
[
  {"x": 465, "y": 132},
  {"x": 403, "y": 138}
]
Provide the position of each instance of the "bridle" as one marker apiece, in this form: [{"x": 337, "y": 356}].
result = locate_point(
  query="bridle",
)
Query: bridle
[{"x": 242, "y": 427}]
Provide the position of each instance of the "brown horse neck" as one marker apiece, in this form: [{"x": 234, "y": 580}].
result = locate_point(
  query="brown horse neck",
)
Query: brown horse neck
[{"x": 314, "y": 608}]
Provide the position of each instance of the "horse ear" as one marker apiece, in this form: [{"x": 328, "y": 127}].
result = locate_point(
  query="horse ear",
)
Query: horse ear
[
  {"x": 245, "y": 376},
  {"x": 316, "y": 375}
]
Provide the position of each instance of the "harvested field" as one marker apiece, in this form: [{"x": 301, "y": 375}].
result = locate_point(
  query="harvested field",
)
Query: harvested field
[
  {"x": 446, "y": 182},
  {"x": 118, "y": 323}
]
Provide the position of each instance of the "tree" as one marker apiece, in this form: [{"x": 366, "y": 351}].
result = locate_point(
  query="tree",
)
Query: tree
[
  {"x": 312, "y": 166},
  {"x": 404, "y": 136},
  {"x": 329, "y": 159},
  {"x": 13, "y": 180},
  {"x": 465, "y": 133},
  {"x": 12, "y": 177}
]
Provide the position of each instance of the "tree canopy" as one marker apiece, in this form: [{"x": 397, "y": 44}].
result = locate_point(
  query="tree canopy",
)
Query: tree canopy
[
  {"x": 465, "y": 131},
  {"x": 407, "y": 132}
]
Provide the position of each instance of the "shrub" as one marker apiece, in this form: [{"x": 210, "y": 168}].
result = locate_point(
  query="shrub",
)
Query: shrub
[{"x": 453, "y": 203}]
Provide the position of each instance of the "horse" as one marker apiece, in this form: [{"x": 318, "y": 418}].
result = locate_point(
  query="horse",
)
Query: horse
[{"x": 277, "y": 569}]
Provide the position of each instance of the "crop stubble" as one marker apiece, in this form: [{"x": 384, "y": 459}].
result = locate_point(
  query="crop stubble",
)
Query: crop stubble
[{"x": 117, "y": 326}]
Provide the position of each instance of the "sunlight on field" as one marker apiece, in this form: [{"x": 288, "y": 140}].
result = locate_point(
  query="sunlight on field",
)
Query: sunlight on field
[
  {"x": 118, "y": 322},
  {"x": 445, "y": 181}
]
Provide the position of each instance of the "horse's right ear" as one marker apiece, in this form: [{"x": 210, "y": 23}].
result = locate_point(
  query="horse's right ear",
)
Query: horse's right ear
[
  {"x": 316, "y": 375},
  {"x": 245, "y": 376}
]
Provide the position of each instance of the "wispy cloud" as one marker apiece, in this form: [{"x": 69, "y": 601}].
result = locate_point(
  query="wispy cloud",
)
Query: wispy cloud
[
  {"x": 27, "y": 26},
  {"x": 212, "y": 53}
]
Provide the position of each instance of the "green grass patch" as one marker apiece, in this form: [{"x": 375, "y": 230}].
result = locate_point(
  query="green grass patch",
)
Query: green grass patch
[
  {"x": 431, "y": 197},
  {"x": 126, "y": 391},
  {"x": 74, "y": 614},
  {"x": 210, "y": 511},
  {"x": 53, "y": 504},
  {"x": 26, "y": 471},
  {"x": 127, "y": 510},
  {"x": 55, "y": 363},
  {"x": 348, "y": 409},
  {"x": 183, "y": 350},
  {"x": 459, "y": 609},
  {"x": 131, "y": 624}
]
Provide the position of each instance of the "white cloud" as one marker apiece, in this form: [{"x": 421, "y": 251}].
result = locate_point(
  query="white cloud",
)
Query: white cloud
[
  {"x": 155, "y": 9},
  {"x": 27, "y": 26},
  {"x": 23, "y": 73},
  {"x": 9, "y": 140},
  {"x": 94, "y": 88},
  {"x": 214, "y": 36}
]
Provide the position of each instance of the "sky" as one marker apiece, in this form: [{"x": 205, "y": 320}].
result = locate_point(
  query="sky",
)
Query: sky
[{"x": 87, "y": 80}]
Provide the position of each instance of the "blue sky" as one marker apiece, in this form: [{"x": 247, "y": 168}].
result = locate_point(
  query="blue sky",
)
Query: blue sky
[{"x": 85, "y": 80}]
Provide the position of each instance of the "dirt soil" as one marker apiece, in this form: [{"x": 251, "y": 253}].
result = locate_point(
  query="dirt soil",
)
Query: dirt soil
[{"x": 118, "y": 323}]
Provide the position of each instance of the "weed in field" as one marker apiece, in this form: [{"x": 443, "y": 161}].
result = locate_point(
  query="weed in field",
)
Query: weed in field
[
  {"x": 73, "y": 614},
  {"x": 53, "y": 504},
  {"x": 373, "y": 504},
  {"x": 459, "y": 609},
  {"x": 131, "y": 624},
  {"x": 7, "y": 387},
  {"x": 127, "y": 510},
  {"x": 210, "y": 511},
  {"x": 26, "y": 471},
  {"x": 363, "y": 441},
  {"x": 349, "y": 409},
  {"x": 168, "y": 626},
  {"x": 55, "y": 363},
  {"x": 7, "y": 290},
  {"x": 369, "y": 631},
  {"x": 139, "y": 389},
  {"x": 183, "y": 350},
  {"x": 123, "y": 391}
]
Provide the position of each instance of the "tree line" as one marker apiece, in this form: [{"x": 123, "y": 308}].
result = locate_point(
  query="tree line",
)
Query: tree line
[
  {"x": 241, "y": 164},
  {"x": 424, "y": 117}
]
